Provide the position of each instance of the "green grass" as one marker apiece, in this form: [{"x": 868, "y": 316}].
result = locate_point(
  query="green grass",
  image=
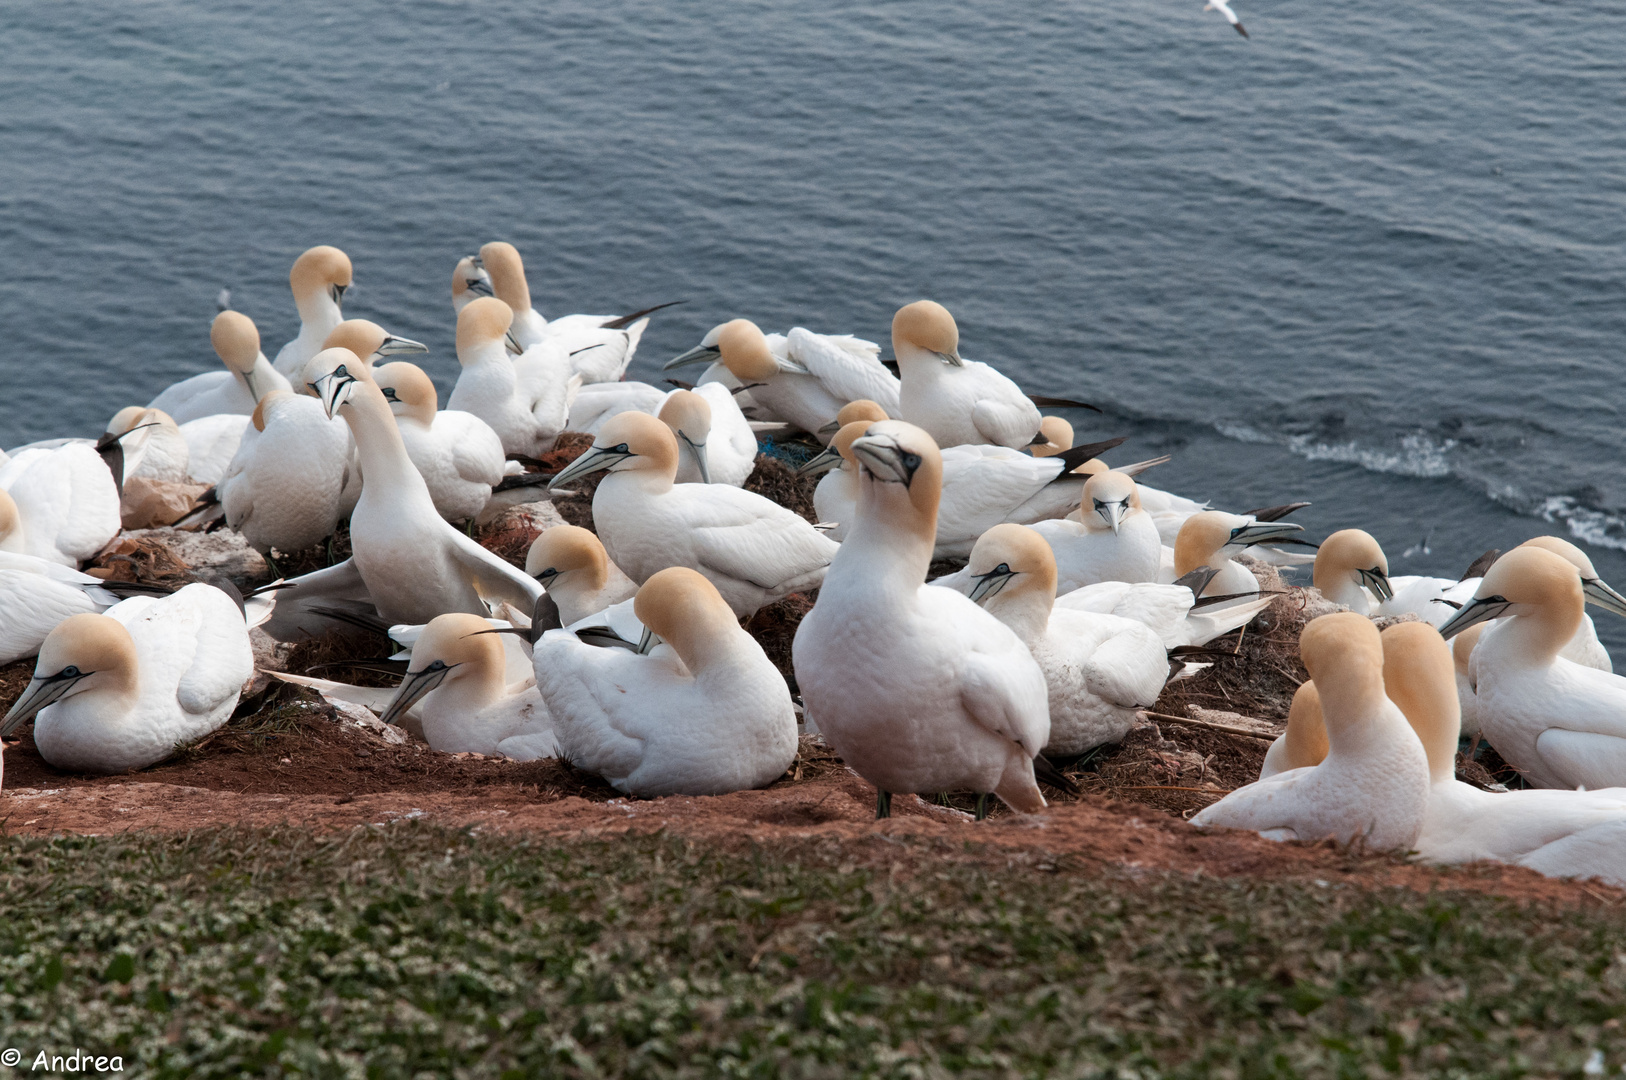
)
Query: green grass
[{"x": 414, "y": 950}]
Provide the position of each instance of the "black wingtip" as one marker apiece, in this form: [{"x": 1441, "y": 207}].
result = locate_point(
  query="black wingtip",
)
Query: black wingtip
[
  {"x": 627, "y": 320},
  {"x": 1044, "y": 771},
  {"x": 1275, "y": 513},
  {"x": 1198, "y": 579},
  {"x": 1044, "y": 402},
  {"x": 522, "y": 480},
  {"x": 1478, "y": 567},
  {"x": 1078, "y": 455}
]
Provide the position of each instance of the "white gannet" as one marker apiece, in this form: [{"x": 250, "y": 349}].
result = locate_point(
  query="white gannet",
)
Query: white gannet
[
  {"x": 707, "y": 716},
  {"x": 597, "y": 402},
  {"x": 1224, "y": 8},
  {"x": 468, "y": 704},
  {"x": 37, "y": 594},
  {"x": 285, "y": 486},
  {"x": 835, "y": 499},
  {"x": 1351, "y": 569},
  {"x": 1116, "y": 541},
  {"x": 715, "y": 440},
  {"x": 956, "y": 401},
  {"x": 1373, "y": 783},
  {"x": 1173, "y": 612},
  {"x": 916, "y": 687},
  {"x": 120, "y": 690},
  {"x": 369, "y": 341},
  {"x": 1304, "y": 743},
  {"x": 66, "y": 499},
  {"x": 1100, "y": 670},
  {"x": 1559, "y": 723},
  {"x": 318, "y": 280},
  {"x": 458, "y": 455},
  {"x": 1169, "y": 511},
  {"x": 755, "y": 551},
  {"x": 572, "y": 565},
  {"x": 528, "y": 414},
  {"x": 469, "y": 280},
  {"x": 1213, "y": 538},
  {"x": 164, "y": 454},
  {"x": 807, "y": 380},
  {"x": 236, "y": 390}
]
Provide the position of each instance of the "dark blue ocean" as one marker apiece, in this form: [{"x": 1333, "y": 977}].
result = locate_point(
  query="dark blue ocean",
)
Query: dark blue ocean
[{"x": 1372, "y": 257}]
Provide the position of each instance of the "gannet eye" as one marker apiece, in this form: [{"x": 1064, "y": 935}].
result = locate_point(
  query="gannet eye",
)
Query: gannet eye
[
  {"x": 438, "y": 665},
  {"x": 389, "y": 394},
  {"x": 1003, "y": 568},
  {"x": 1099, "y": 505},
  {"x": 340, "y": 370},
  {"x": 622, "y": 449},
  {"x": 911, "y": 462},
  {"x": 69, "y": 672}
]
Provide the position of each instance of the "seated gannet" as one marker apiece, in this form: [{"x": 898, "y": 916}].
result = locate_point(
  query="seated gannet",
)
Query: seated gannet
[
  {"x": 211, "y": 443},
  {"x": 1116, "y": 541},
  {"x": 468, "y": 705},
  {"x": 1100, "y": 670},
  {"x": 236, "y": 390},
  {"x": 707, "y": 716},
  {"x": 66, "y": 503},
  {"x": 753, "y": 550},
  {"x": 715, "y": 440},
  {"x": 1304, "y": 743},
  {"x": 1561, "y": 724},
  {"x": 1169, "y": 511},
  {"x": 1173, "y": 612},
  {"x": 121, "y": 690},
  {"x": 597, "y": 402},
  {"x": 804, "y": 378},
  {"x": 571, "y": 564},
  {"x": 458, "y": 455},
  {"x": 1213, "y": 538},
  {"x": 318, "y": 280},
  {"x": 1373, "y": 783},
  {"x": 469, "y": 281},
  {"x": 956, "y": 401},
  {"x": 37, "y": 594},
  {"x": 285, "y": 487},
  {"x": 916, "y": 687},
  {"x": 527, "y": 414}
]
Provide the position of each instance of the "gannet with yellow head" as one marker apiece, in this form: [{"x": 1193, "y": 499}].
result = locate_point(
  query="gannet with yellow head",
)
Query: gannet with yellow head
[
  {"x": 572, "y": 565},
  {"x": 286, "y": 486},
  {"x": 526, "y": 413},
  {"x": 458, "y": 455},
  {"x": 1115, "y": 541},
  {"x": 236, "y": 390},
  {"x": 716, "y": 441},
  {"x": 470, "y": 280},
  {"x": 66, "y": 499},
  {"x": 318, "y": 279},
  {"x": 1213, "y": 538},
  {"x": 956, "y": 401},
  {"x": 1304, "y": 744}
]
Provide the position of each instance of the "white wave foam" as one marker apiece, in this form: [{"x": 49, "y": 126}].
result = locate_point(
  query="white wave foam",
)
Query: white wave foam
[
  {"x": 1243, "y": 433},
  {"x": 1587, "y": 524}
]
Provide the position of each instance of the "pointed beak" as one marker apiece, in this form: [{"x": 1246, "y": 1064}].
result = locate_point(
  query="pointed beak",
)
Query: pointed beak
[
  {"x": 1598, "y": 592},
  {"x": 41, "y": 691},
  {"x": 1112, "y": 513},
  {"x": 1260, "y": 532},
  {"x": 512, "y": 343},
  {"x": 1376, "y": 580},
  {"x": 823, "y": 462},
  {"x": 248, "y": 381},
  {"x": 884, "y": 459},
  {"x": 334, "y": 390},
  {"x": 951, "y": 358},
  {"x": 829, "y": 429},
  {"x": 990, "y": 583},
  {"x": 337, "y": 292},
  {"x": 700, "y": 354},
  {"x": 699, "y": 452},
  {"x": 477, "y": 286},
  {"x": 413, "y": 688},
  {"x": 589, "y": 463},
  {"x": 1473, "y": 613},
  {"x": 396, "y": 346},
  {"x": 647, "y": 642}
]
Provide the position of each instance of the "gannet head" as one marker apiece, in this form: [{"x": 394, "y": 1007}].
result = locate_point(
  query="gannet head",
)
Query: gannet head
[
  {"x": 469, "y": 280},
  {"x": 266, "y": 407},
  {"x": 565, "y": 554},
  {"x": 333, "y": 375},
  {"x": 689, "y": 416},
  {"x": 1108, "y": 499},
  {"x": 84, "y": 652},
  {"x": 1344, "y": 655},
  {"x": 11, "y": 523},
  {"x": 321, "y": 271},
  {"x": 1596, "y": 590},
  {"x": 1352, "y": 555},
  {"x": 680, "y": 607},
  {"x": 1058, "y": 436},
  {"x": 453, "y": 647},
  {"x": 370, "y": 341},
  {"x": 840, "y": 449},
  {"x": 1012, "y": 560},
  {"x": 1419, "y": 679},
  {"x": 507, "y": 274},
  {"x": 1306, "y": 735},
  {"x": 852, "y": 412},
  {"x": 706, "y": 352},
  {"x": 627, "y": 441},
  {"x": 743, "y": 349},
  {"x": 926, "y": 329},
  {"x": 1530, "y": 582},
  {"x": 408, "y": 390},
  {"x": 237, "y": 342},
  {"x": 132, "y": 417},
  {"x": 902, "y": 474},
  {"x": 1211, "y": 537},
  {"x": 482, "y": 323}
]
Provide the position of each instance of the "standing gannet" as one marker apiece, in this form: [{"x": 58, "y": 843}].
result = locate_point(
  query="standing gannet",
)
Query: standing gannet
[
  {"x": 1213, "y": 538},
  {"x": 1304, "y": 743},
  {"x": 318, "y": 280},
  {"x": 527, "y": 416},
  {"x": 916, "y": 687},
  {"x": 706, "y": 716},
  {"x": 1561, "y": 724},
  {"x": 572, "y": 565},
  {"x": 1100, "y": 670},
  {"x": 458, "y": 455},
  {"x": 414, "y": 565},
  {"x": 469, "y": 281},
  {"x": 1373, "y": 783},
  {"x": 37, "y": 594},
  {"x": 236, "y": 390},
  {"x": 806, "y": 380},
  {"x": 716, "y": 442},
  {"x": 458, "y": 669},
  {"x": 285, "y": 487},
  {"x": 66, "y": 502},
  {"x": 755, "y": 551},
  {"x": 1224, "y": 8},
  {"x": 121, "y": 690},
  {"x": 1116, "y": 541},
  {"x": 956, "y": 401}
]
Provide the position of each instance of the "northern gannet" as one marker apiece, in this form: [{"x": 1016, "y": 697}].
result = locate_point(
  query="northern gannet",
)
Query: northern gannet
[
  {"x": 572, "y": 565},
  {"x": 1224, "y": 8},
  {"x": 285, "y": 487},
  {"x": 37, "y": 594},
  {"x": 1559, "y": 723},
  {"x": 469, "y": 281},
  {"x": 597, "y": 402},
  {"x": 120, "y": 690},
  {"x": 1373, "y": 783},
  {"x": 1213, "y": 538},
  {"x": 1173, "y": 612},
  {"x": 1304, "y": 743},
  {"x": 916, "y": 687},
  {"x": 527, "y": 414},
  {"x": 716, "y": 444},
  {"x": 468, "y": 705},
  {"x": 458, "y": 455},
  {"x": 369, "y": 341},
  {"x": 236, "y": 390},
  {"x": 1169, "y": 511},
  {"x": 1116, "y": 541},
  {"x": 956, "y": 401},
  {"x": 754, "y": 550},
  {"x": 164, "y": 454},
  {"x": 66, "y": 499},
  {"x": 707, "y": 716},
  {"x": 1101, "y": 670},
  {"x": 318, "y": 280}
]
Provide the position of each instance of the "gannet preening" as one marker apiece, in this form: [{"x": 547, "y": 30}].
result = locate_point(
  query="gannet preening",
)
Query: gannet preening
[
  {"x": 1213, "y": 538},
  {"x": 1351, "y": 569},
  {"x": 468, "y": 704},
  {"x": 458, "y": 455},
  {"x": 1561, "y": 724},
  {"x": 1224, "y": 8},
  {"x": 916, "y": 687},
  {"x": 597, "y": 402},
  {"x": 1057, "y": 434},
  {"x": 238, "y": 389},
  {"x": 527, "y": 414},
  {"x": 806, "y": 379},
  {"x": 755, "y": 551},
  {"x": 1173, "y": 612},
  {"x": 66, "y": 501},
  {"x": 164, "y": 455},
  {"x": 707, "y": 716},
  {"x": 572, "y": 565},
  {"x": 469, "y": 280},
  {"x": 1116, "y": 541},
  {"x": 318, "y": 280},
  {"x": 1373, "y": 783},
  {"x": 369, "y": 341},
  {"x": 285, "y": 488},
  {"x": 956, "y": 401},
  {"x": 1304, "y": 744},
  {"x": 37, "y": 594},
  {"x": 121, "y": 690},
  {"x": 715, "y": 441},
  {"x": 1101, "y": 670}
]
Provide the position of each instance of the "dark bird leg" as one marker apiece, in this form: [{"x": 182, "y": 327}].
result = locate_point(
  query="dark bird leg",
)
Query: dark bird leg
[{"x": 883, "y": 804}]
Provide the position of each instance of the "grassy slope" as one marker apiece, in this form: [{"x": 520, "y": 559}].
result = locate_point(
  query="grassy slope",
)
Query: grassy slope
[{"x": 409, "y": 949}]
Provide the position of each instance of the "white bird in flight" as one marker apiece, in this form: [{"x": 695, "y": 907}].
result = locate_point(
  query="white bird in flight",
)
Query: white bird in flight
[{"x": 1224, "y": 8}]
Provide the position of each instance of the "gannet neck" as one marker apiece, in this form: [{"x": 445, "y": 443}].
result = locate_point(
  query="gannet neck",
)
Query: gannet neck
[
  {"x": 1015, "y": 571},
  {"x": 1305, "y": 741},
  {"x": 318, "y": 280},
  {"x": 101, "y": 649},
  {"x": 1544, "y": 597},
  {"x": 507, "y": 271},
  {"x": 685, "y": 610},
  {"x": 1344, "y": 655},
  {"x": 383, "y": 453},
  {"x": 1418, "y": 676}
]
